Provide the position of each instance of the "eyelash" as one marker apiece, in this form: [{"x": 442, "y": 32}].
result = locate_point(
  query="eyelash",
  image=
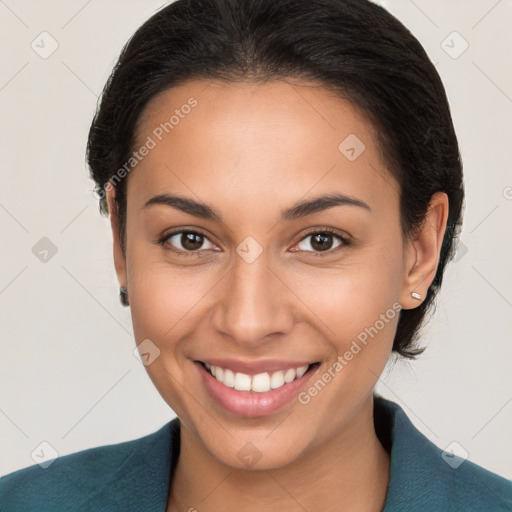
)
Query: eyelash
[{"x": 345, "y": 242}]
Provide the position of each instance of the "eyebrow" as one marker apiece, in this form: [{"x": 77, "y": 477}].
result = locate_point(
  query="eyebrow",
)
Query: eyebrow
[{"x": 299, "y": 210}]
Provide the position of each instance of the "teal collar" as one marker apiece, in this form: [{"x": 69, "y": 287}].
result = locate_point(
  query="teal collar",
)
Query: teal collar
[
  {"x": 420, "y": 480},
  {"x": 135, "y": 475}
]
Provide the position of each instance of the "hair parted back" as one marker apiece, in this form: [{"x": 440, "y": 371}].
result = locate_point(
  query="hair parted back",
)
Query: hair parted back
[{"x": 353, "y": 47}]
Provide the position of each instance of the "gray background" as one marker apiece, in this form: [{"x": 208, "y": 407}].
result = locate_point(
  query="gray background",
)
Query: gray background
[{"x": 69, "y": 378}]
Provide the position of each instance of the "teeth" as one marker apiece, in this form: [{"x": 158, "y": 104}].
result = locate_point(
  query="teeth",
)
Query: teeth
[
  {"x": 242, "y": 382},
  {"x": 260, "y": 383},
  {"x": 301, "y": 371},
  {"x": 289, "y": 375},
  {"x": 228, "y": 379},
  {"x": 277, "y": 380}
]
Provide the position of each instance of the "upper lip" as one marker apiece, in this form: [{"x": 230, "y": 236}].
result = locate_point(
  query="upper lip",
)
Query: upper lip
[{"x": 255, "y": 367}]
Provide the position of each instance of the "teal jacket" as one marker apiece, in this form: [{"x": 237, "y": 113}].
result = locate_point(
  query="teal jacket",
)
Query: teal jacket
[{"x": 135, "y": 475}]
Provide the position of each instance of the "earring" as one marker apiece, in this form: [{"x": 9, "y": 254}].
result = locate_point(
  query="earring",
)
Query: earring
[
  {"x": 416, "y": 296},
  {"x": 123, "y": 295}
]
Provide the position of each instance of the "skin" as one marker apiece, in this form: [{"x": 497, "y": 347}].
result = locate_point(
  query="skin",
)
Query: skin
[{"x": 251, "y": 151}]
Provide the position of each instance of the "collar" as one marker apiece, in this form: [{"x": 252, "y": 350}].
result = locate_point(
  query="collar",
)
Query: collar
[{"x": 420, "y": 479}]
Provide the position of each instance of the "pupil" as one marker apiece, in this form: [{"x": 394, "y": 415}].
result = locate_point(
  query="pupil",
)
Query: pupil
[{"x": 321, "y": 242}]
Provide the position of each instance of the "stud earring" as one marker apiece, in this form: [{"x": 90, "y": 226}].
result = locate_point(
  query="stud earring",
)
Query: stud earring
[
  {"x": 416, "y": 296},
  {"x": 123, "y": 295}
]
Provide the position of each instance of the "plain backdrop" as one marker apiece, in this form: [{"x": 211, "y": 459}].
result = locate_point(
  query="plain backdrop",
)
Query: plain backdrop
[{"x": 68, "y": 374}]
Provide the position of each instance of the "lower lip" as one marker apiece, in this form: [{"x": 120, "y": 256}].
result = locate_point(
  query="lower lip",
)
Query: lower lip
[{"x": 252, "y": 404}]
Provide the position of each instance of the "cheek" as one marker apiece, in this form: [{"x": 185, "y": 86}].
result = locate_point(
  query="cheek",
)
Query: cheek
[
  {"x": 164, "y": 298},
  {"x": 165, "y": 308},
  {"x": 359, "y": 309},
  {"x": 352, "y": 296},
  {"x": 347, "y": 297}
]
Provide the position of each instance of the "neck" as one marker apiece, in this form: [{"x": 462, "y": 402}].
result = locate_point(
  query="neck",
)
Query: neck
[{"x": 349, "y": 472}]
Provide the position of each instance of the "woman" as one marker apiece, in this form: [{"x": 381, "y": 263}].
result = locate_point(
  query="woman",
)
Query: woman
[{"x": 285, "y": 189}]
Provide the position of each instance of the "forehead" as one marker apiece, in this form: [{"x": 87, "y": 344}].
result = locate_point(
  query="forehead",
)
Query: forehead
[{"x": 255, "y": 143}]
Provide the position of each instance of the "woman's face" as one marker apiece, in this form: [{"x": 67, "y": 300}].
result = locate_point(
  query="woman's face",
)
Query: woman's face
[{"x": 237, "y": 275}]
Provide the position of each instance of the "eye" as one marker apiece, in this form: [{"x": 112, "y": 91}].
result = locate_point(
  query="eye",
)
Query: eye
[
  {"x": 191, "y": 243},
  {"x": 322, "y": 241},
  {"x": 186, "y": 242}
]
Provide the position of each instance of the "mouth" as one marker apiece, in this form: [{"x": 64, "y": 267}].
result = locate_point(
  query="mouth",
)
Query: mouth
[
  {"x": 261, "y": 382},
  {"x": 254, "y": 393}
]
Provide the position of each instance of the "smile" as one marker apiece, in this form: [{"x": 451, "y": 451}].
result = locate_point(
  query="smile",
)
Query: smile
[
  {"x": 259, "y": 383},
  {"x": 246, "y": 389}
]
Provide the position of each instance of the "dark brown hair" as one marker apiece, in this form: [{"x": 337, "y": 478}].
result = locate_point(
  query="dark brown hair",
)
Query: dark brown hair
[{"x": 352, "y": 46}]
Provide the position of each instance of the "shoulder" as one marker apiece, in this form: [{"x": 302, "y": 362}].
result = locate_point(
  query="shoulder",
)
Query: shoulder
[
  {"x": 71, "y": 481},
  {"x": 425, "y": 477},
  {"x": 479, "y": 488}
]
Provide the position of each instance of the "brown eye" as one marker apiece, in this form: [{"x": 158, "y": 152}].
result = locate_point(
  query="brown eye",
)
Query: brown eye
[
  {"x": 191, "y": 241},
  {"x": 187, "y": 241},
  {"x": 321, "y": 241}
]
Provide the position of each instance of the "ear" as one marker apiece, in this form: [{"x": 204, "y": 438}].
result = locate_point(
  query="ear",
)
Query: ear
[
  {"x": 422, "y": 252},
  {"x": 119, "y": 256}
]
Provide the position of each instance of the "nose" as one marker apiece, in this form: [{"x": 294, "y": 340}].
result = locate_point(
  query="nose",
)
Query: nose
[{"x": 254, "y": 303}]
